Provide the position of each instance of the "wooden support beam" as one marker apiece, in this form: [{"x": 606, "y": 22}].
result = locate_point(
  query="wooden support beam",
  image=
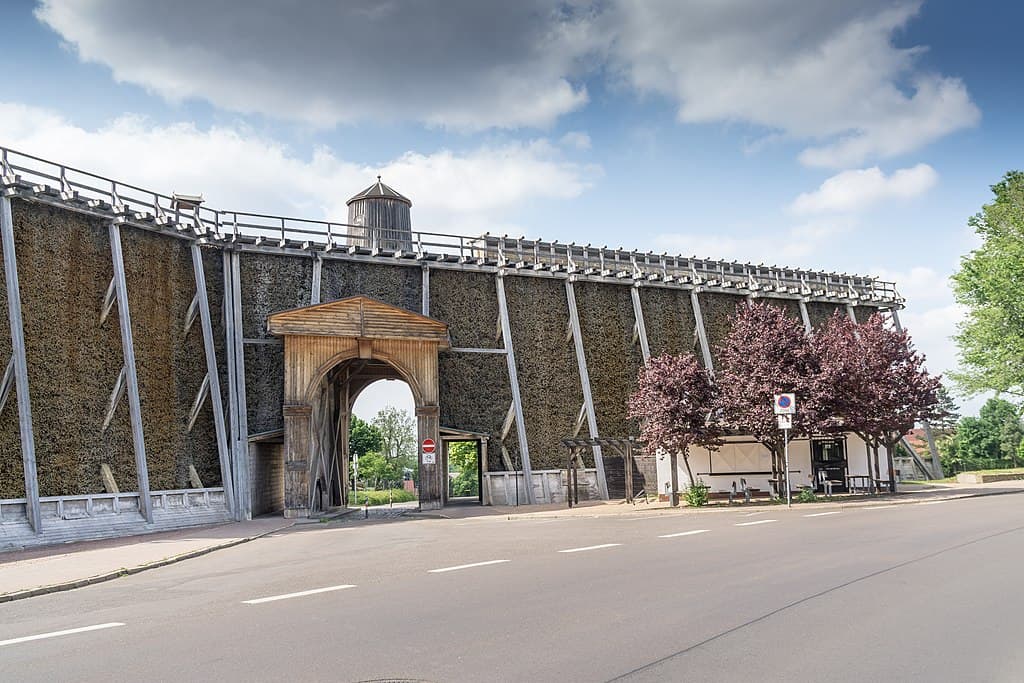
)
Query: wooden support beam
[
  {"x": 314, "y": 290},
  {"x": 425, "y": 304},
  {"x": 581, "y": 419},
  {"x": 929, "y": 437},
  {"x": 6, "y": 384},
  {"x": 115, "y": 398},
  {"x": 510, "y": 419},
  {"x": 213, "y": 378},
  {"x": 191, "y": 313},
  {"x": 107, "y": 477},
  {"x": 458, "y": 349},
  {"x": 588, "y": 398},
  {"x": 851, "y": 313},
  {"x": 131, "y": 378},
  {"x": 641, "y": 328},
  {"x": 805, "y": 316},
  {"x": 702, "y": 333},
  {"x": 108, "y": 302},
  {"x": 240, "y": 426},
  {"x": 513, "y": 379},
  {"x": 197, "y": 402},
  {"x": 28, "y": 443},
  {"x": 193, "y": 478}
]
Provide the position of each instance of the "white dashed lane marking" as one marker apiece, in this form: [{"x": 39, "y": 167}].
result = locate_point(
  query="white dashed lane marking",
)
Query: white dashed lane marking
[
  {"x": 589, "y": 547},
  {"x": 465, "y": 566},
  {"x": 685, "y": 533},
  {"x": 822, "y": 514},
  {"x": 757, "y": 521},
  {"x": 300, "y": 594},
  {"x": 56, "y": 634}
]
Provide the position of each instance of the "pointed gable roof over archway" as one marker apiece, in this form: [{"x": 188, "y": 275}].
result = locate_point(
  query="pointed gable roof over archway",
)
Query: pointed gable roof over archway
[{"x": 360, "y": 317}]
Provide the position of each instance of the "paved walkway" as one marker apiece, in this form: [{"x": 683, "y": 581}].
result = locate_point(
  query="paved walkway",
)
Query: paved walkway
[{"x": 44, "y": 570}]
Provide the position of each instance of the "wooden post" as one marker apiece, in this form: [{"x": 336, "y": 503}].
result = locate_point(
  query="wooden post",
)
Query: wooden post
[
  {"x": 641, "y": 328},
  {"x": 513, "y": 379},
  {"x": 241, "y": 467},
  {"x": 314, "y": 293},
  {"x": 588, "y": 398},
  {"x": 28, "y": 443},
  {"x": 425, "y": 304},
  {"x": 851, "y": 313},
  {"x": 627, "y": 464},
  {"x": 131, "y": 378},
  {"x": 213, "y": 373},
  {"x": 702, "y": 334},
  {"x": 805, "y": 316}
]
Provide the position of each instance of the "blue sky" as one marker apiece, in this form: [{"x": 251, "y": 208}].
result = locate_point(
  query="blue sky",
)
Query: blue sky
[{"x": 818, "y": 134}]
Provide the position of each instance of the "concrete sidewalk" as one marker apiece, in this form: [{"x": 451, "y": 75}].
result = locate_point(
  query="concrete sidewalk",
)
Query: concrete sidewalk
[{"x": 38, "y": 571}]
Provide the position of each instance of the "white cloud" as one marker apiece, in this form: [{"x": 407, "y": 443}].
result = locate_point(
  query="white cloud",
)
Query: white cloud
[
  {"x": 827, "y": 72},
  {"x": 456, "y": 63},
  {"x": 859, "y": 189},
  {"x": 824, "y": 71},
  {"x": 237, "y": 168},
  {"x": 576, "y": 139}
]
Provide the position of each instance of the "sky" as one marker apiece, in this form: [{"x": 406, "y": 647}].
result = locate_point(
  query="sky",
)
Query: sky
[{"x": 855, "y": 137}]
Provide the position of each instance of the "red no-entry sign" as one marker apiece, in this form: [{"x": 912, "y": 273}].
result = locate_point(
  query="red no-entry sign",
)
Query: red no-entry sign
[{"x": 428, "y": 445}]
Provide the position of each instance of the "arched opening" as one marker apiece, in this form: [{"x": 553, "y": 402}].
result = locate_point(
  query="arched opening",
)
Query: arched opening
[
  {"x": 372, "y": 394},
  {"x": 382, "y": 445}
]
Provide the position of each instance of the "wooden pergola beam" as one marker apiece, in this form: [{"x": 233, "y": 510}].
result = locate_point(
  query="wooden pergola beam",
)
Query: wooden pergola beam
[
  {"x": 702, "y": 333},
  {"x": 641, "y": 328}
]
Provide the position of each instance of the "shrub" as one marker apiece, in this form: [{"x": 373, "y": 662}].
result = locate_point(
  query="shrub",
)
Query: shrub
[
  {"x": 697, "y": 495},
  {"x": 383, "y": 497},
  {"x": 806, "y": 495}
]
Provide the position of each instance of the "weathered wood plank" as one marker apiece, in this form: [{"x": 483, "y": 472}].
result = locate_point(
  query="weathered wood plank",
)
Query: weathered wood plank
[
  {"x": 28, "y": 444},
  {"x": 131, "y": 377},
  {"x": 513, "y": 377}
]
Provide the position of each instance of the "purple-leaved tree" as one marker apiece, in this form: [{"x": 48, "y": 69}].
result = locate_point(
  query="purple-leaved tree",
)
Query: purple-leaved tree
[
  {"x": 673, "y": 402},
  {"x": 874, "y": 382},
  {"x": 766, "y": 352}
]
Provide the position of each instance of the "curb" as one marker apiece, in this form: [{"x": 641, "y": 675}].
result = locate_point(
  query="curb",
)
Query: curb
[
  {"x": 128, "y": 571},
  {"x": 706, "y": 510}
]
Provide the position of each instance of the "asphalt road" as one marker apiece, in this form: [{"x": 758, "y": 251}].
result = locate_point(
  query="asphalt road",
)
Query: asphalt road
[{"x": 897, "y": 593}]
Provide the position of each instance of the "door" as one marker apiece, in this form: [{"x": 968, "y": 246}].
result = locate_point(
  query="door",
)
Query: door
[{"x": 829, "y": 456}]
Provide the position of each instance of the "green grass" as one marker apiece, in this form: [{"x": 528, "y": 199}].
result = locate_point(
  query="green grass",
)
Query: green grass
[{"x": 383, "y": 497}]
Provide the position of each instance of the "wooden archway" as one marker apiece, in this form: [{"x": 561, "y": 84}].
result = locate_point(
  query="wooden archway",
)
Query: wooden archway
[{"x": 321, "y": 337}]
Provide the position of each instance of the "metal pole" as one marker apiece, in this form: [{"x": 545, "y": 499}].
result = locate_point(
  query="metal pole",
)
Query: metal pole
[
  {"x": 789, "y": 487},
  {"x": 28, "y": 443}
]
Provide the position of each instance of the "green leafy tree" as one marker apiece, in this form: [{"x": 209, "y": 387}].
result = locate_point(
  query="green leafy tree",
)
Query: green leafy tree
[
  {"x": 990, "y": 284},
  {"x": 462, "y": 459},
  {"x": 397, "y": 430},
  {"x": 363, "y": 437},
  {"x": 990, "y": 441}
]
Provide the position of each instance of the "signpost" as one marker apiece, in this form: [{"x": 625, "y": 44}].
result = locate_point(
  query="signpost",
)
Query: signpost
[
  {"x": 429, "y": 452},
  {"x": 785, "y": 409}
]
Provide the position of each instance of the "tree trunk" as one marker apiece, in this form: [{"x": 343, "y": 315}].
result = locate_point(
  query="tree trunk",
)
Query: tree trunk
[
  {"x": 889, "y": 448},
  {"x": 673, "y": 495},
  {"x": 877, "y": 475}
]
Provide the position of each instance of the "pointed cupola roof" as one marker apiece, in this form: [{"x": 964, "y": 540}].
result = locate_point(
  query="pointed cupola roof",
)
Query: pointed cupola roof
[{"x": 380, "y": 191}]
